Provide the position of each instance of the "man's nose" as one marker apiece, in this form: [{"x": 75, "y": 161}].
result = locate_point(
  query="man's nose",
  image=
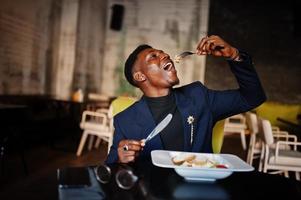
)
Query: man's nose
[{"x": 163, "y": 55}]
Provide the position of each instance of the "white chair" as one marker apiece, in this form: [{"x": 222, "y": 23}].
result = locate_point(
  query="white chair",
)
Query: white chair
[
  {"x": 97, "y": 101},
  {"x": 255, "y": 143},
  {"x": 276, "y": 155},
  {"x": 109, "y": 114},
  {"x": 236, "y": 124},
  {"x": 95, "y": 124},
  {"x": 100, "y": 123}
]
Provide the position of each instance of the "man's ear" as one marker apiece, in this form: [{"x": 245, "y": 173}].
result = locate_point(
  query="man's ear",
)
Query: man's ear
[{"x": 139, "y": 77}]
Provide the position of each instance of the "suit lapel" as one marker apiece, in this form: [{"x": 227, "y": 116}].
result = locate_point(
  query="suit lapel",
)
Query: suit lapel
[
  {"x": 184, "y": 105},
  {"x": 146, "y": 121}
]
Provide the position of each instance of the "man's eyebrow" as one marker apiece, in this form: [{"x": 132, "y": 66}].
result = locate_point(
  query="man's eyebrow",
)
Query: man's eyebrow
[{"x": 150, "y": 51}]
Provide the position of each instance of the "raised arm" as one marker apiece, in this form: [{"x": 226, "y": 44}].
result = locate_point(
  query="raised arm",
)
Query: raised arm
[{"x": 250, "y": 92}]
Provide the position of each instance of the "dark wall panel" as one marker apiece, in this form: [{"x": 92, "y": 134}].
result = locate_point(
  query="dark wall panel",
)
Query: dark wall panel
[{"x": 266, "y": 29}]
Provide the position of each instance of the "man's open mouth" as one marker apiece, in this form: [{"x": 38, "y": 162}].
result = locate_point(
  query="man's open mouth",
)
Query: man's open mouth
[{"x": 167, "y": 66}]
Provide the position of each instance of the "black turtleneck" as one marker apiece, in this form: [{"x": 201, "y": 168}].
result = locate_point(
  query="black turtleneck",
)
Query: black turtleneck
[{"x": 172, "y": 136}]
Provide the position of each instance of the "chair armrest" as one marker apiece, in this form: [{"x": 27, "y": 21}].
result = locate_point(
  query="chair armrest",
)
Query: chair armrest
[
  {"x": 234, "y": 126},
  {"x": 285, "y": 143},
  {"x": 102, "y": 110},
  {"x": 239, "y": 117},
  {"x": 287, "y": 137},
  {"x": 280, "y": 132},
  {"x": 95, "y": 115},
  {"x": 239, "y": 124},
  {"x": 275, "y": 128}
]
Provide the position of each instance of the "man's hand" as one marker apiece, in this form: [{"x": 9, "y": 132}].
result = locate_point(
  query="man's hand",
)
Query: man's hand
[
  {"x": 214, "y": 45},
  {"x": 128, "y": 150}
]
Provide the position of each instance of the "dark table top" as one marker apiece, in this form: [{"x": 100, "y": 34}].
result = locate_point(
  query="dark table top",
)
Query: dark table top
[
  {"x": 12, "y": 106},
  {"x": 163, "y": 183},
  {"x": 12, "y": 113}
]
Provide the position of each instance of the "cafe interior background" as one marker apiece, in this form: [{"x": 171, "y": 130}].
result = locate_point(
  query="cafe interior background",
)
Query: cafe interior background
[{"x": 52, "y": 49}]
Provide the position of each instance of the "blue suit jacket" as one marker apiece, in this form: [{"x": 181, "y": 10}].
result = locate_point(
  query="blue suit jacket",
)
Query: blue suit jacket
[{"x": 205, "y": 105}]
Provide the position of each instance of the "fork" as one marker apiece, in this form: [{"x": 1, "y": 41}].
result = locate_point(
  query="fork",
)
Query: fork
[{"x": 182, "y": 55}]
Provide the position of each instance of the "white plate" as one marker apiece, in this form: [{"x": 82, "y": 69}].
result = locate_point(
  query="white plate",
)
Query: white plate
[{"x": 163, "y": 158}]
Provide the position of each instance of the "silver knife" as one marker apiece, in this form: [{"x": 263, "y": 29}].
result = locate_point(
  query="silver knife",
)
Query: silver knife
[{"x": 159, "y": 127}]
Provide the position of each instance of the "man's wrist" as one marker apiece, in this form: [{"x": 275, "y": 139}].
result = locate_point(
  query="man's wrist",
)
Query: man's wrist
[{"x": 235, "y": 56}]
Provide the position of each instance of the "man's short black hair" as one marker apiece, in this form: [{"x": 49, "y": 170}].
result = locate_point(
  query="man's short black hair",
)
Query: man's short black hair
[{"x": 129, "y": 63}]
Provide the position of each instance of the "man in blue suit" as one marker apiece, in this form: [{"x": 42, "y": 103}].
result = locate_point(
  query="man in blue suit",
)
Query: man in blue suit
[{"x": 195, "y": 108}]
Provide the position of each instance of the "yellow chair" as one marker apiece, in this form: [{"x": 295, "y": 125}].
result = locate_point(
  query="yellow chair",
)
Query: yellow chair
[
  {"x": 218, "y": 136},
  {"x": 272, "y": 110},
  {"x": 120, "y": 104}
]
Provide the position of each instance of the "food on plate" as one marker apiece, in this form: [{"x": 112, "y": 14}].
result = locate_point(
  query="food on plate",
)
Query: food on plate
[
  {"x": 177, "y": 59},
  {"x": 181, "y": 158},
  {"x": 191, "y": 160},
  {"x": 221, "y": 166}
]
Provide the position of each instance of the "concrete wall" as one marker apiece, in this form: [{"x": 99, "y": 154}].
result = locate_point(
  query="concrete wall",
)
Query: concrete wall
[
  {"x": 38, "y": 55},
  {"x": 268, "y": 31},
  {"x": 72, "y": 44},
  {"x": 51, "y": 47},
  {"x": 90, "y": 45},
  {"x": 64, "y": 51},
  {"x": 23, "y": 46}
]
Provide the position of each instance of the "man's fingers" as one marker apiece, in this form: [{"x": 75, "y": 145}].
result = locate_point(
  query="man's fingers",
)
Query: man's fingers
[
  {"x": 127, "y": 159},
  {"x": 128, "y": 150},
  {"x": 123, "y": 142},
  {"x": 211, "y": 44},
  {"x": 132, "y": 146},
  {"x": 134, "y": 142},
  {"x": 216, "y": 49},
  {"x": 209, "y": 48},
  {"x": 129, "y": 153},
  {"x": 217, "y": 46},
  {"x": 135, "y": 147},
  {"x": 130, "y": 158},
  {"x": 201, "y": 44},
  {"x": 126, "y": 156}
]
